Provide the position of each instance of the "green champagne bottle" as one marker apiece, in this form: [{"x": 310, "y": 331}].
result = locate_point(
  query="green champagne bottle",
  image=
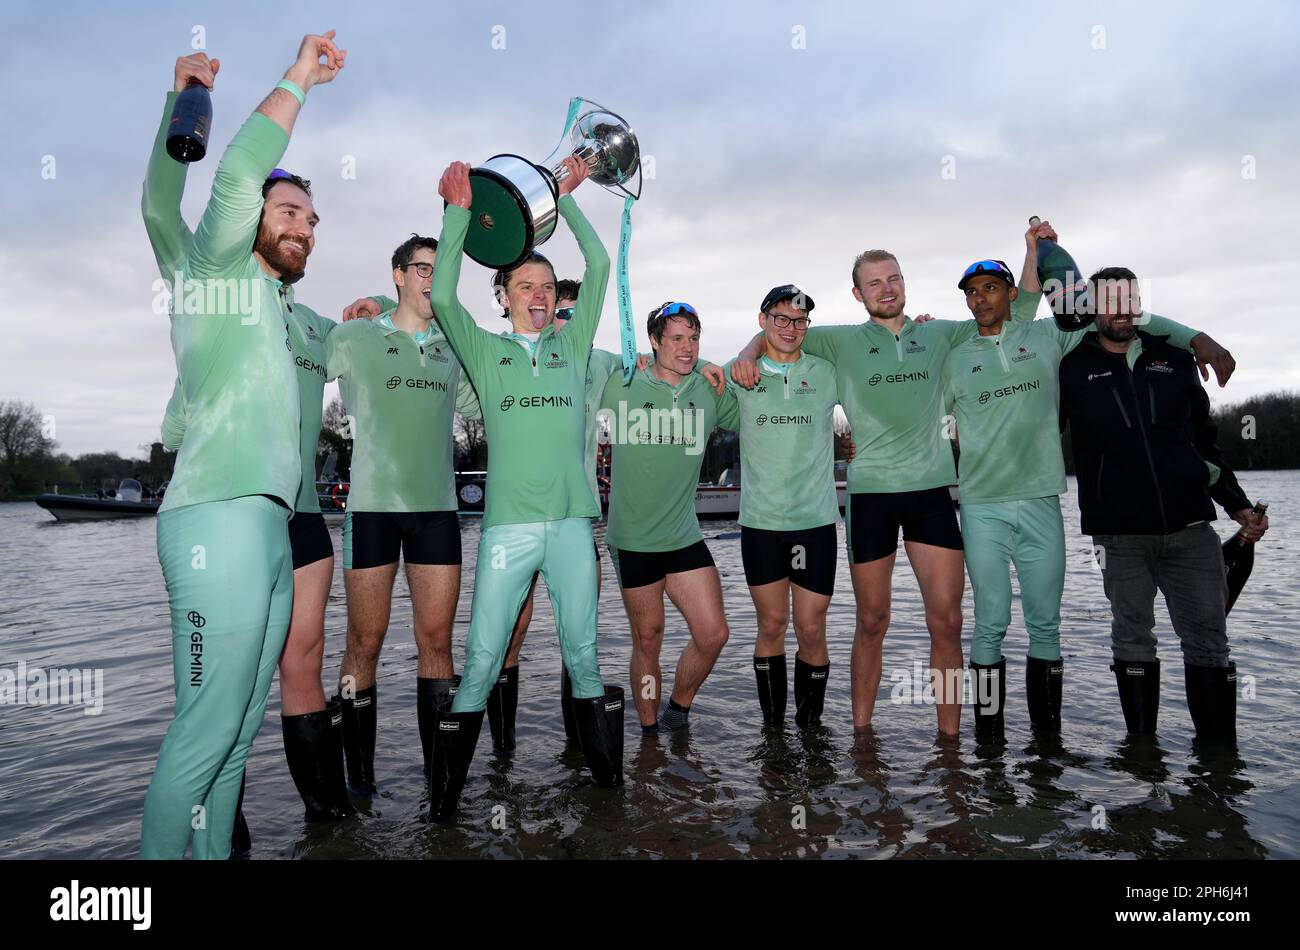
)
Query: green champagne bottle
[{"x": 1064, "y": 284}]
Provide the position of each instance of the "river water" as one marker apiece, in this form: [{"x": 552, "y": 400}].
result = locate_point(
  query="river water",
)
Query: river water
[{"x": 91, "y": 596}]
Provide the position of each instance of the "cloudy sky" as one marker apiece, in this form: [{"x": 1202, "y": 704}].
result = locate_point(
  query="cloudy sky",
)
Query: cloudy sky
[{"x": 785, "y": 138}]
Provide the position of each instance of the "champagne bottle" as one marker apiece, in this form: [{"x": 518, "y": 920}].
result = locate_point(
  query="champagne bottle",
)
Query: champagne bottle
[
  {"x": 187, "y": 133},
  {"x": 1239, "y": 559},
  {"x": 1063, "y": 284}
]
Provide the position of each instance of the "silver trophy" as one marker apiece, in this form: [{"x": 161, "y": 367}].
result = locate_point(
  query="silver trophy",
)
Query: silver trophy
[{"x": 515, "y": 201}]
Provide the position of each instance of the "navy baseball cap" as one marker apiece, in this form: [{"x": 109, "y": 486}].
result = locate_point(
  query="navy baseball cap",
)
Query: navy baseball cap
[{"x": 787, "y": 292}]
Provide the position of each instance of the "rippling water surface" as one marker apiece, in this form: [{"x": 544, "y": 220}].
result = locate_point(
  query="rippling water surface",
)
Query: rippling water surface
[{"x": 91, "y": 595}]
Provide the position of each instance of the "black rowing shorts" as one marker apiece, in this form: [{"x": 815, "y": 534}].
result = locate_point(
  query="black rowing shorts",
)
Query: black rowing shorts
[
  {"x": 309, "y": 539},
  {"x": 806, "y": 557},
  {"x": 375, "y": 538},
  {"x": 639, "y": 568},
  {"x": 926, "y": 517}
]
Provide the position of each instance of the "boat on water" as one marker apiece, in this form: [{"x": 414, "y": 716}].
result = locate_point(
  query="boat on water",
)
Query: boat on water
[
  {"x": 127, "y": 502},
  {"x": 721, "y": 499}
]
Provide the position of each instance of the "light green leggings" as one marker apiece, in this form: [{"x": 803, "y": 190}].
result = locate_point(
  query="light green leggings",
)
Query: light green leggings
[
  {"x": 508, "y": 556},
  {"x": 1030, "y": 534},
  {"x": 229, "y": 576}
]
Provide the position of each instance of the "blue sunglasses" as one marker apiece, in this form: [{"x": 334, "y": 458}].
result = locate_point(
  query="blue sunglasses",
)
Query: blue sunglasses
[
  {"x": 281, "y": 173},
  {"x": 672, "y": 309},
  {"x": 988, "y": 267}
]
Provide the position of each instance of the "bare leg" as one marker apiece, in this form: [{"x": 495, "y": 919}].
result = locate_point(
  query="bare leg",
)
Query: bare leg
[
  {"x": 810, "y": 625},
  {"x": 941, "y": 575},
  {"x": 698, "y": 595},
  {"x": 435, "y": 589},
  {"x": 370, "y": 598},
  {"x": 300, "y": 662},
  {"x": 772, "y": 613},
  {"x": 871, "y": 589},
  {"x": 645, "y": 614}
]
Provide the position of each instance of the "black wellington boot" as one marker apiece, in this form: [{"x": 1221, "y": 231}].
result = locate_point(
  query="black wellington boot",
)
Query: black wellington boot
[
  {"x": 1212, "y": 700},
  {"x": 501, "y": 705},
  {"x": 1139, "y": 694},
  {"x": 360, "y": 718},
  {"x": 313, "y": 748},
  {"x": 453, "y": 750},
  {"x": 430, "y": 696},
  {"x": 1043, "y": 681},
  {"x": 566, "y": 706},
  {"x": 990, "y": 699},
  {"x": 770, "y": 673},
  {"x": 600, "y": 731},
  {"x": 809, "y": 691},
  {"x": 241, "y": 840}
]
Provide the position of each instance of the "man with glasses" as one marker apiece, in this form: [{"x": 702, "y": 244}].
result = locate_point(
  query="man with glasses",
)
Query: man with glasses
[
  {"x": 659, "y": 427},
  {"x": 401, "y": 383},
  {"x": 788, "y": 506},
  {"x": 1002, "y": 383}
]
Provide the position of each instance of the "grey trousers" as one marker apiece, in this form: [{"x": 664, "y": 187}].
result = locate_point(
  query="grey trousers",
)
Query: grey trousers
[{"x": 1187, "y": 567}]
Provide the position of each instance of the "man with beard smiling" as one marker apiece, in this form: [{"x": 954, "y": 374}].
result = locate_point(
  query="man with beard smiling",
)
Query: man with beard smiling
[
  {"x": 311, "y": 726},
  {"x": 223, "y": 538},
  {"x": 1149, "y": 475}
]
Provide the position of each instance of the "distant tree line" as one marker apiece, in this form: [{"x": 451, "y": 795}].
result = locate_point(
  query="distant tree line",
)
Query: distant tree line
[{"x": 1259, "y": 433}]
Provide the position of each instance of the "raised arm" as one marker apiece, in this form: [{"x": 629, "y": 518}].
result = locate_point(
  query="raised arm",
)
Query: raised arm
[
  {"x": 464, "y": 335},
  {"x": 225, "y": 235},
  {"x": 595, "y": 278}
]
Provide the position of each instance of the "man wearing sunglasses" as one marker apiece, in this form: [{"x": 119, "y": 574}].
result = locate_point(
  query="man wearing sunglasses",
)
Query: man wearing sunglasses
[
  {"x": 223, "y": 537},
  {"x": 659, "y": 426},
  {"x": 311, "y": 727},
  {"x": 402, "y": 384},
  {"x": 1002, "y": 383},
  {"x": 788, "y": 506}
]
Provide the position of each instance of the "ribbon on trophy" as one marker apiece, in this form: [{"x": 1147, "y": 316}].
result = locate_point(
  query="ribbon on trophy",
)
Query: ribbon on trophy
[{"x": 626, "y": 328}]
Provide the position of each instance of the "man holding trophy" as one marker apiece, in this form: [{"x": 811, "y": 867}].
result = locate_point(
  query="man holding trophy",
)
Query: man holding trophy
[{"x": 539, "y": 505}]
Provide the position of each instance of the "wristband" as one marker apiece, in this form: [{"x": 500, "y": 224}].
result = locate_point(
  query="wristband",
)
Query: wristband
[{"x": 290, "y": 86}]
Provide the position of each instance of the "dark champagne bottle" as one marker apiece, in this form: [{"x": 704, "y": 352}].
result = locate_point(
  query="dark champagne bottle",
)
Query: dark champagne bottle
[
  {"x": 1239, "y": 559},
  {"x": 1064, "y": 285},
  {"x": 187, "y": 133}
]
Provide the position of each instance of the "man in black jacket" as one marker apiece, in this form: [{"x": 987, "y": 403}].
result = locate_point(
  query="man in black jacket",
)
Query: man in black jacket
[{"x": 1149, "y": 473}]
